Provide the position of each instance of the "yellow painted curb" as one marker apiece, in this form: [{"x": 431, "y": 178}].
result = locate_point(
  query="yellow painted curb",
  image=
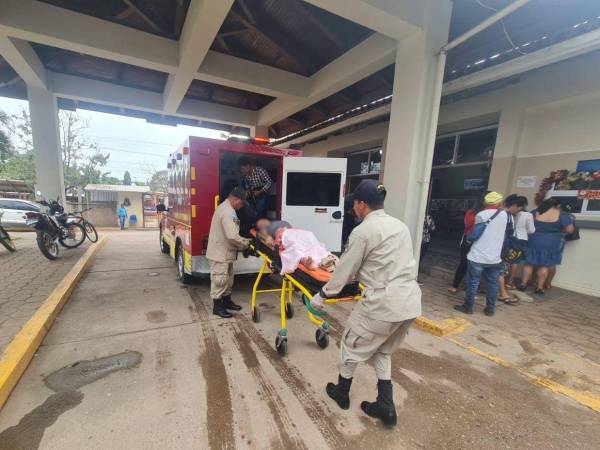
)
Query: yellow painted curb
[
  {"x": 444, "y": 328},
  {"x": 20, "y": 350}
]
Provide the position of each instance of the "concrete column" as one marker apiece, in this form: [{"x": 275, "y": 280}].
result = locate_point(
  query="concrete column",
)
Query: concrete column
[
  {"x": 43, "y": 111},
  {"x": 407, "y": 167}
]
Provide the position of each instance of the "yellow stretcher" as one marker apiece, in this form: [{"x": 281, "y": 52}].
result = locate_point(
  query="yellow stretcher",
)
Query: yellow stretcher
[{"x": 307, "y": 282}]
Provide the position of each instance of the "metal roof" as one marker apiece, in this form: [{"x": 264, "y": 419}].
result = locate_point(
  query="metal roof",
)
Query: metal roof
[{"x": 117, "y": 188}]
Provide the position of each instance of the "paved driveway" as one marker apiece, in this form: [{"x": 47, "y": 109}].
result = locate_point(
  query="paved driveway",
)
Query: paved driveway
[
  {"x": 136, "y": 361},
  {"x": 26, "y": 279}
]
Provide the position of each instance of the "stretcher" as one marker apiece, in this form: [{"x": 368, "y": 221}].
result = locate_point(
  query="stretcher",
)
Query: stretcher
[{"x": 304, "y": 280}]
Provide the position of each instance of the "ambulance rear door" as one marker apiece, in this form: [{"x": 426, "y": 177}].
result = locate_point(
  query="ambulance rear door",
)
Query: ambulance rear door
[{"x": 313, "y": 197}]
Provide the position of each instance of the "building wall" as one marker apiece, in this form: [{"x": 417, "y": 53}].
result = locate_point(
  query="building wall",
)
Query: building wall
[
  {"x": 136, "y": 208},
  {"x": 548, "y": 120}
]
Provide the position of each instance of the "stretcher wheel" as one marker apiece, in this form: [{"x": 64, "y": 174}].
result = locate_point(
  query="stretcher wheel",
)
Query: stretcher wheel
[
  {"x": 289, "y": 310},
  {"x": 281, "y": 345},
  {"x": 255, "y": 315},
  {"x": 322, "y": 338}
]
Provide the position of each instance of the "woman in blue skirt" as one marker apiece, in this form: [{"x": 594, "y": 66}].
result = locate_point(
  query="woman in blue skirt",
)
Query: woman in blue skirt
[{"x": 544, "y": 249}]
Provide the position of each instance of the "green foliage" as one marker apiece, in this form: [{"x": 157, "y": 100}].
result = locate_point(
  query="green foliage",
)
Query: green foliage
[
  {"x": 127, "y": 178},
  {"x": 159, "y": 181}
]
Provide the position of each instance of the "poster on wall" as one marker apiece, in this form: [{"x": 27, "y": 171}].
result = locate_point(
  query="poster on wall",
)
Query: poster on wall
[{"x": 526, "y": 181}]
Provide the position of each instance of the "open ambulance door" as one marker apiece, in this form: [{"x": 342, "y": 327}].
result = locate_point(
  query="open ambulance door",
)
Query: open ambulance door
[{"x": 313, "y": 197}]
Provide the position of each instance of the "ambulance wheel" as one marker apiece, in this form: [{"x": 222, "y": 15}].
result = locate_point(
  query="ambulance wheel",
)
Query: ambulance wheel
[
  {"x": 255, "y": 315},
  {"x": 289, "y": 310},
  {"x": 322, "y": 338},
  {"x": 281, "y": 345},
  {"x": 181, "y": 275},
  {"x": 164, "y": 247}
]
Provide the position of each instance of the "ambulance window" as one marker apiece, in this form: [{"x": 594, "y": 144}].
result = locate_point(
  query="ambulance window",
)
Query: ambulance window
[{"x": 313, "y": 189}]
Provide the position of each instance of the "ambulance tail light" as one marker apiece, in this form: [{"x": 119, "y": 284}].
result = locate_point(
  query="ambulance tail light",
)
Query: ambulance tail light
[{"x": 261, "y": 140}]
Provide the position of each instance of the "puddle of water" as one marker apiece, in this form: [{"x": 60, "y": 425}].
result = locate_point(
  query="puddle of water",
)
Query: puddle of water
[
  {"x": 28, "y": 433},
  {"x": 84, "y": 372}
]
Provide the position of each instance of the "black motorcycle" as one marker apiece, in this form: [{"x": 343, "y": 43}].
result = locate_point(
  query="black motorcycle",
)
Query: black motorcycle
[
  {"x": 55, "y": 227},
  {"x": 5, "y": 239}
]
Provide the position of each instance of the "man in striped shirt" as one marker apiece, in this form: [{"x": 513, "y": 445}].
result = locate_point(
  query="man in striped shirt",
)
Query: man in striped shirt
[{"x": 257, "y": 183}]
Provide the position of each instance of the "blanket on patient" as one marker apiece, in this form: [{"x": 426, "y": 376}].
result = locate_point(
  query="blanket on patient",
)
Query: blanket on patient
[{"x": 300, "y": 247}]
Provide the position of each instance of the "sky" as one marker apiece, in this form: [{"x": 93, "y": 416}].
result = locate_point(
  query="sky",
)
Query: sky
[{"x": 134, "y": 144}]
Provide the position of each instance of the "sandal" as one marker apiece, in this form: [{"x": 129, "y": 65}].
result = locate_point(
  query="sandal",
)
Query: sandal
[
  {"x": 522, "y": 288},
  {"x": 510, "y": 286},
  {"x": 452, "y": 290},
  {"x": 538, "y": 291},
  {"x": 509, "y": 300}
]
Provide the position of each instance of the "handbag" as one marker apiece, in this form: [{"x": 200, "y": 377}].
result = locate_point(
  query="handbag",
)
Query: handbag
[
  {"x": 512, "y": 248},
  {"x": 479, "y": 228},
  {"x": 574, "y": 236}
]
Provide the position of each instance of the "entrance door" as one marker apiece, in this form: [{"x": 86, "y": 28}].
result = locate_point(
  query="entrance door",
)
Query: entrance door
[{"x": 313, "y": 197}]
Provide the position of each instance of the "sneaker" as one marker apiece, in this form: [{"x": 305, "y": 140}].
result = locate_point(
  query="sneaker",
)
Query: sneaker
[
  {"x": 489, "y": 311},
  {"x": 463, "y": 309}
]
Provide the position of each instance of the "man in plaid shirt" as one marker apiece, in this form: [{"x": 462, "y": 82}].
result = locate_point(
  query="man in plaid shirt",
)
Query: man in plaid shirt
[{"x": 257, "y": 182}]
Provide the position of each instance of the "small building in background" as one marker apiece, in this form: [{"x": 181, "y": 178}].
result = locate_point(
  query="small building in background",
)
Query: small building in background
[
  {"x": 105, "y": 200},
  {"x": 16, "y": 189}
]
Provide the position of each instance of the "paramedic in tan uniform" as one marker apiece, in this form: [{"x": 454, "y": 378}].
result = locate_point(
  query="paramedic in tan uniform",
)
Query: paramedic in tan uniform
[
  {"x": 380, "y": 255},
  {"x": 224, "y": 241}
]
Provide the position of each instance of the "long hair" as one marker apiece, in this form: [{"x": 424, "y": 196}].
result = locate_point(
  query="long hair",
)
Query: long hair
[{"x": 546, "y": 205}]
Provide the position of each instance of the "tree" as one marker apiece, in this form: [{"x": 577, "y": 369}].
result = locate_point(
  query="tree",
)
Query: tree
[
  {"x": 159, "y": 182},
  {"x": 16, "y": 161},
  {"x": 82, "y": 160},
  {"x": 127, "y": 178},
  {"x": 6, "y": 147}
]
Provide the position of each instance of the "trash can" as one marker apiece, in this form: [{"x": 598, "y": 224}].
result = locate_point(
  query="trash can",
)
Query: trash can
[{"x": 132, "y": 220}]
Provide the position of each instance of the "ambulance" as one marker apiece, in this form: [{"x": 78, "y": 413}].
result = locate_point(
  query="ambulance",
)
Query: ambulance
[{"x": 306, "y": 192}]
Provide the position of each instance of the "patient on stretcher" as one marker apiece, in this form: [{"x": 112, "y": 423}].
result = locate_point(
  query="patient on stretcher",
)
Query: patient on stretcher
[{"x": 296, "y": 246}]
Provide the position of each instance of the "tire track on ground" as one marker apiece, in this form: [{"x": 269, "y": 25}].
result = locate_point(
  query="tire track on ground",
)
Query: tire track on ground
[
  {"x": 219, "y": 408},
  {"x": 288, "y": 434}
]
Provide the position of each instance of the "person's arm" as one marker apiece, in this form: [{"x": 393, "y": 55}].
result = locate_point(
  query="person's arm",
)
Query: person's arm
[
  {"x": 232, "y": 233},
  {"x": 529, "y": 225},
  {"x": 348, "y": 266},
  {"x": 266, "y": 179},
  {"x": 566, "y": 222}
]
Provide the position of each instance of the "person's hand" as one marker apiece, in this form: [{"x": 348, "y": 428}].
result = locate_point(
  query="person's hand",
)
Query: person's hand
[{"x": 317, "y": 302}]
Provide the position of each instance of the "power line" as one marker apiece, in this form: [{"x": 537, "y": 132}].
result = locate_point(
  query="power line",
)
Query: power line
[
  {"x": 132, "y": 151},
  {"x": 135, "y": 141}
]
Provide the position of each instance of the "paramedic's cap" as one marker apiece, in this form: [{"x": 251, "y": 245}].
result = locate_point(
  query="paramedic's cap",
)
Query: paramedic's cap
[
  {"x": 493, "y": 198},
  {"x": 372, "y": 192},
  {"x": 238, "y": 193}
]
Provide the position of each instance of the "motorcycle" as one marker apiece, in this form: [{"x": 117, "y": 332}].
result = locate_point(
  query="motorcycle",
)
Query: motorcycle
[
  {"x": 55, "y": 227},
  {"x": 5, "y": 239}
]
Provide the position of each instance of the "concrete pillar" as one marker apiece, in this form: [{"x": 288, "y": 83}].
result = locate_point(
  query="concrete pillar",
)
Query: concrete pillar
[
  {"x": 407, "y": 167},
  {"x": 43, "y": 111}
]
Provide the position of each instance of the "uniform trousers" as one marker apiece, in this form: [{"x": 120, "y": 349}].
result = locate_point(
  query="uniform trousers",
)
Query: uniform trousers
[
  {"x": 365, "y": 338},
  {"x": 221, "y": 279}
]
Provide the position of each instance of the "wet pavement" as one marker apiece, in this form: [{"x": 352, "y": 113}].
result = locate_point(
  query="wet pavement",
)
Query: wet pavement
[
  {"x": 26, "y": 280},
  {"x": 204, "y": 382}
]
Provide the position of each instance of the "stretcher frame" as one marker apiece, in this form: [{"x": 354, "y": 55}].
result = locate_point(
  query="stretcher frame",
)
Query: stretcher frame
[{"x": 289, "y": 285}]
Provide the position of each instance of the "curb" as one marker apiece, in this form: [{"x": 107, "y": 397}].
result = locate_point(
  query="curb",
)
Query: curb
[
  {"x": 444, "y": 328},
  {"x": 21, "y": 349}
]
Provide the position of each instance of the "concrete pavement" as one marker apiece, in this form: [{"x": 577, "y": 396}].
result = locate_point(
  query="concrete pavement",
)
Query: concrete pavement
[{"x": 204, "y": 382}]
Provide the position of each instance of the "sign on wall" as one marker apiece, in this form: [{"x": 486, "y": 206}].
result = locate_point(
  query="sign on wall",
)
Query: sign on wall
[
  {"x": 527, "y": 181},
  {"x": 473, "y": 184}
]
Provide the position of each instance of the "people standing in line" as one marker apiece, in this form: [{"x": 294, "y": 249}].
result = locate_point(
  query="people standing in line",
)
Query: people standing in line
[
  {"x": 380, "y": 255},
  {"x": 513, "y": 205},
  {"x": 257, "y": 183},
  {"x": 224, "y": 242},
  {"x": 428, "y": 228},
  {"x": 544, "y": 251},
  {"x": 485, "y": 257},
  {"x": 465, "y": 244},
  {"x": 524, "y": 226},
  {"x": 122, "y": 213}
]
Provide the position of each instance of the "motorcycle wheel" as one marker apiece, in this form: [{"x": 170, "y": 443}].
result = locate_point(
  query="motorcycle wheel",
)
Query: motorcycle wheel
[
  {"x": 47, "y": 245},
  {"x": 75, "y": 236},
  {"x": 7, "y": 241},
  {"x": 91, "y": 232}
]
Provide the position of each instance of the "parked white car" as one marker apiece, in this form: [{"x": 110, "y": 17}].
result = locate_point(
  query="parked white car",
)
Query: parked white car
[{"x": 14, "y": 211}]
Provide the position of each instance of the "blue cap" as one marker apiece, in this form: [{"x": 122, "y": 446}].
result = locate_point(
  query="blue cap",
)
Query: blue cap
[{"x": 372, "y": 192}]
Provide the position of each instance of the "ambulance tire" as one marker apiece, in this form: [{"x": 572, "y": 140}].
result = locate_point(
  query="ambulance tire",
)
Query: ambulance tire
[
  {"x": 181, "y": 275},
  {"x": 164, "y": 247}
]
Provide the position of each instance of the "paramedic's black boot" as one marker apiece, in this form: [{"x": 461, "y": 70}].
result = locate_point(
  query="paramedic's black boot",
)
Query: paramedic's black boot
[
  {"x": 340, "y": 392},
  {"x": 383, "y": 408},
  {"x": 228, "y": 304},
  {"x": 219, "y": 309}
]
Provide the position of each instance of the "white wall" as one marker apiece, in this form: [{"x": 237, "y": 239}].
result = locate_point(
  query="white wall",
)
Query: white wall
[{"x": 548, "y": 120}]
